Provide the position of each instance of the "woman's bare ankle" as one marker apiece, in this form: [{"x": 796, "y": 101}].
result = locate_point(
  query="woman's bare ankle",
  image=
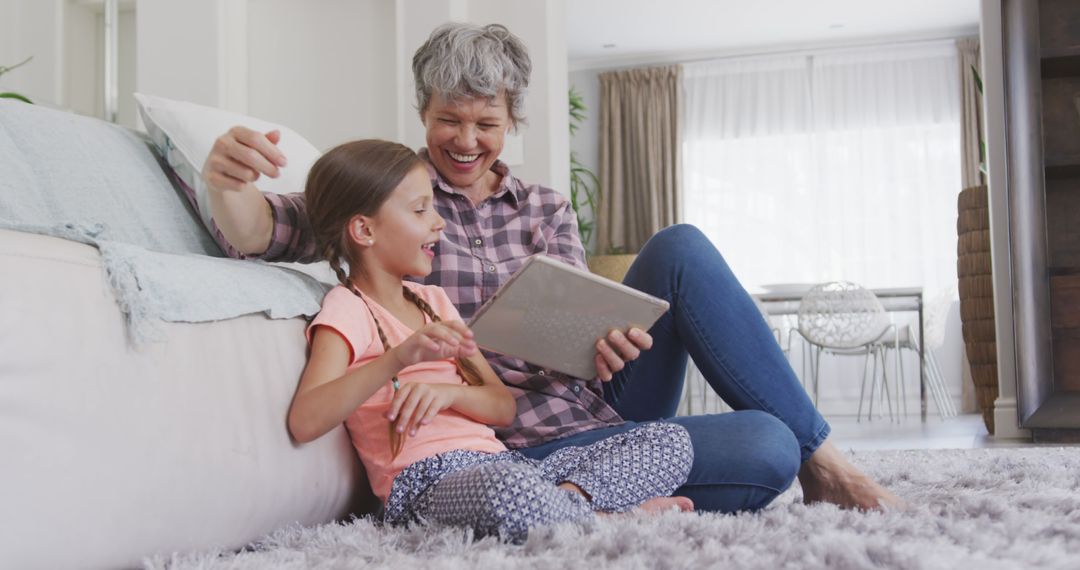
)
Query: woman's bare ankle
[{"x": 829, "y": 477}]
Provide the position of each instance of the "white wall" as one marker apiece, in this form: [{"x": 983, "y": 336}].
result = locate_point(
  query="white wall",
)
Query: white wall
[
  {"x": 82, "y": 64},
  {"x": 66, "y": 39},
  {"x": 332, "y": 70},
  {"x": 341, "y": 69},
  {"x": 84, "y": 54},
  {"x": 324, "y": 68},
  {"x": 33, "y": 28},
  {"x": 178, "y": 49}
]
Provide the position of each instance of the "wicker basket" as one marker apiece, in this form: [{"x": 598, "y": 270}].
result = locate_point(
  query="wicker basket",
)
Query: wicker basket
[
  {"x": 977, "y": 296},
  {"x": 613, "y": 267}
]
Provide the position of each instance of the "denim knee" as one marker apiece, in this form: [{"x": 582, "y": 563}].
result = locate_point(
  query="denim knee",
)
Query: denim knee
[
  {"x": 672, "y": 242},
  {"x": 679, "y": 248},
  {"x": 777, "y": 454},
  {"x": 677, "y": 234}
]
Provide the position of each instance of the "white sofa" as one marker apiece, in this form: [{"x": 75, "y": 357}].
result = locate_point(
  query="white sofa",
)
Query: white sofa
[{"x": 113, "y": 451}]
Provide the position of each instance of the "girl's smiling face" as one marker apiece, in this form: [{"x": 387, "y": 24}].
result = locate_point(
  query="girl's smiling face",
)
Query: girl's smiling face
[{"x": 406, "y": 228}]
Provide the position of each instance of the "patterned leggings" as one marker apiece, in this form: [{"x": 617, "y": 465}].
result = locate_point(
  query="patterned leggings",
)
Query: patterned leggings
[{"x": 506, "y": 494}]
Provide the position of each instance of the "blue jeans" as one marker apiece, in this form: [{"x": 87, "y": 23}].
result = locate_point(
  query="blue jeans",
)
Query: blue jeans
[{"x": 742, "y": 459}]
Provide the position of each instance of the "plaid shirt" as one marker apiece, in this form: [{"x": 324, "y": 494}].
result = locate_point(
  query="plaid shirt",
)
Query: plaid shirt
[{"x": 479, "y": 249}]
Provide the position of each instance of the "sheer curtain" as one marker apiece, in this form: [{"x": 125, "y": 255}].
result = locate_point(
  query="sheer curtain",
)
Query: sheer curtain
[{"x": 834, "y": 165}]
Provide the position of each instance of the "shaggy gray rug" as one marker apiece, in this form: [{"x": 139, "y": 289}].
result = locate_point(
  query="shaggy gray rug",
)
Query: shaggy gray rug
[{"x": 981, "y": 508}]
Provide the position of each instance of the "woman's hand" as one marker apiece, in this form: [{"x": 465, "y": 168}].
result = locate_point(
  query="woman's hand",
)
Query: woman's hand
[
  {"x": 240, "y": 156},
  {"x": 417, "y": 404},
  {"x": 237, "y": 159},
  {"x": 436, "y": 341},
  {"x": 613, "y": 352}
]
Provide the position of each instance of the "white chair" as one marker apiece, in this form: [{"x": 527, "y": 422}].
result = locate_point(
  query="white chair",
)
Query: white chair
[
  {"x": 846, "y": 319},
  {"x": 936, "y": 311},
  {"x": 906, "y": 339}
]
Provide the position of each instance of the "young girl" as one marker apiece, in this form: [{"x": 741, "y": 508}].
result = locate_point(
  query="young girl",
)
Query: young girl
[{"x": 394, "y": 361}]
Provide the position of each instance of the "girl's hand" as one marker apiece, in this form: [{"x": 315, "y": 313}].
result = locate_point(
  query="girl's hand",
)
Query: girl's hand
[
  {"x": 417, "y": 404},
  {"x": 436, "y": 341}
]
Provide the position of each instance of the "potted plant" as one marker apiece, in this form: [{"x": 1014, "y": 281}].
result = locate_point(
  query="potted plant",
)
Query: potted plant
[
  {"x": 9, "y": 94},
  {"x": 584, "y": 185}
]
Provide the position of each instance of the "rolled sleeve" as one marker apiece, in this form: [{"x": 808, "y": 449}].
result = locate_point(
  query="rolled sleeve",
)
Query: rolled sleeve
[
  {"x": 565, "y": 244},
  {"x": 292, "y": 238}
]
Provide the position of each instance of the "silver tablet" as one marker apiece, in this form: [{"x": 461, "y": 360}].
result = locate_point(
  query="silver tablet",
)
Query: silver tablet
[{"x": 550, "y": 314}]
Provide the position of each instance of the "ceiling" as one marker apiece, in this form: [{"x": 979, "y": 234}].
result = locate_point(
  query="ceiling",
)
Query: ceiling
[{"x": 644, "y": 29}]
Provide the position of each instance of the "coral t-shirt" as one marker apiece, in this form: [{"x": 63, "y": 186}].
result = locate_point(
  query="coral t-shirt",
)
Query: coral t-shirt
[{"x": 368, "y": 427}]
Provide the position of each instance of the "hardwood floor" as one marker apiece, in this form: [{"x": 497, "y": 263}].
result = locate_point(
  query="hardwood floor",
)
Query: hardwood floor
[{"x": 961, "y": 432}]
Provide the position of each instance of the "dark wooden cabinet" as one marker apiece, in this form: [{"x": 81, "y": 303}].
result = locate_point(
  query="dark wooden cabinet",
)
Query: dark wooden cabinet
[
  {"x": 1042, "y": 99},
  {"x": 1059, "y": 52}
]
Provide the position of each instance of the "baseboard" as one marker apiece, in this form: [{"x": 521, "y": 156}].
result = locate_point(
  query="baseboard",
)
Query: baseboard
[{"x": 1006, "y": 424}]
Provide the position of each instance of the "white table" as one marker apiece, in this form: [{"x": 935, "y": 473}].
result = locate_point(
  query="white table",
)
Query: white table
[{"x": 894, "y": 299}]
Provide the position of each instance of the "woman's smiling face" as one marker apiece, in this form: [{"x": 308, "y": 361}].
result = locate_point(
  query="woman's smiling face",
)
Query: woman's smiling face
[{"x": 465, "y": 137}]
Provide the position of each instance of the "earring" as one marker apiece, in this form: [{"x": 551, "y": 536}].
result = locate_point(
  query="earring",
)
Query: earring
[{"x": 370, "y": 241}]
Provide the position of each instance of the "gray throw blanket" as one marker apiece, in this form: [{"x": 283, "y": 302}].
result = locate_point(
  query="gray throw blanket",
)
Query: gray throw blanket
[{"x": 86, "y": 180}]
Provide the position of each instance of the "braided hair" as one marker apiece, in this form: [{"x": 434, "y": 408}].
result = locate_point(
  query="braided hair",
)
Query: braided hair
[
  {"x": 355, "y": 179},
  {"x": 467, "y": 370}
]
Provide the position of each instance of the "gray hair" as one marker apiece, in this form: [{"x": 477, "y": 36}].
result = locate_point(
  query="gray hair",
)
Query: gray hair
[{"x": 465, "y": 60}]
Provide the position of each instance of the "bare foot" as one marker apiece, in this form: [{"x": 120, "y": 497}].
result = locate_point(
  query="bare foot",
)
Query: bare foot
[
  {"x": 652, "y": 506},
  {"x": 661, "y": 504},
  {"x": 829, "y": 477}
]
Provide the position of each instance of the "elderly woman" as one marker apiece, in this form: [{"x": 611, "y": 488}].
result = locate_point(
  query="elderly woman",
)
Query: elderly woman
[{"x": 470, "y": 90}]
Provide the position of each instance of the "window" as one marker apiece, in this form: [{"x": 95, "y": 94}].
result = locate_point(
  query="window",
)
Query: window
[{"x": 828, "y": 166}]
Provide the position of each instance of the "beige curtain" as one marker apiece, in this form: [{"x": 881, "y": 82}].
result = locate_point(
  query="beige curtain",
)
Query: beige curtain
[
  {"x": 640, "y": 178},
  {"x": 971, "y": 112}
]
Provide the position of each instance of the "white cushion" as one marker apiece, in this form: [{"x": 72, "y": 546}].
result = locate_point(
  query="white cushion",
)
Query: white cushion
[{"x": 184, "y": 133}]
